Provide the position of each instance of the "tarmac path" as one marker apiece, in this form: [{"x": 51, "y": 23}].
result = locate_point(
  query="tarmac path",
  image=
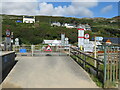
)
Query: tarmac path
[{"x": 47, "y": 72}]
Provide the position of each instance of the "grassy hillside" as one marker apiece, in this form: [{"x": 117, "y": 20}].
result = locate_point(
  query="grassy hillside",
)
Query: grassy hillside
[{"x": 35, "y": 33}]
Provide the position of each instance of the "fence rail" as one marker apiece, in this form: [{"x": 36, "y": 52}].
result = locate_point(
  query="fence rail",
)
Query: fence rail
[
  {"x": 87, "y": 62},
  {"x": 107, "y": 70},
  {"x": 40, "y": 50}
]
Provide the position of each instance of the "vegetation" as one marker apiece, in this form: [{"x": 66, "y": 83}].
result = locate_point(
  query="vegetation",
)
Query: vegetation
[{"x": 35, "y": 33}]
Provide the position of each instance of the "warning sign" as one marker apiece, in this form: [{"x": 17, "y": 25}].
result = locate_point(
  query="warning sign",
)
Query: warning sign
[{"x": 48, "y": 48}]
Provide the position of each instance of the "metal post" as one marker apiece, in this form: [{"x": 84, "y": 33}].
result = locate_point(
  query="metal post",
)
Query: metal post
[
  {"x": 69, "y": 50},
  {"x": 105, "y": 63},
  {"x": 32, "y": 49}
]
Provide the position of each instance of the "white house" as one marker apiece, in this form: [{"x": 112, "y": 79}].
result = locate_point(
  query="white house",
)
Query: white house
[
  {"x": 28, "y": 19},
  {"x": 56, "y": 24},
  {"x": 85, "y": 27},
  {"x": 69, "y": 25}
]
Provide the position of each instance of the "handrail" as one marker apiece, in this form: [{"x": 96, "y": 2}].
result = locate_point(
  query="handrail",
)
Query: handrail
[
  {"x": 95, "y": 68},
  {"x": 87, "y": 55}
]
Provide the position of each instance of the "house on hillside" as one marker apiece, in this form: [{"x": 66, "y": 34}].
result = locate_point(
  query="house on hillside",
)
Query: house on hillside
[
  {"x": 84, "y": 26},
  {"x": 28, "y": 19},
  {"x": 69, "y": 25},
  {"x": 56, "y": 24}
]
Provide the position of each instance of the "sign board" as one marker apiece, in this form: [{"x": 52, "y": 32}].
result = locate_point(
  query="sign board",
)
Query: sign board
[
  {"x": 8, "y": 33},
  {"x": 86, "y": 41},
  {"x": 66, "y": 39},
  {"x": 48, "y": 48},
  {"x": 99, "y": 38},
  {"x": 88, "y": 47},
  {"x": 11, "y": 40},
  {"x": 16, "y": 39},
  {"x": 17, "y": 43},
  {"x": 87, "y": 36}
]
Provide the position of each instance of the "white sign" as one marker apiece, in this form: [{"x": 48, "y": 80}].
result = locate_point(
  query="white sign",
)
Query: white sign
[
  {"x": 87, "y": 36},
  {"x": 16, "y": 39},
  {"x": 17, "y": 43},
  {"x": 88, "y": 47},
  {"x": 66, "y": 39},
  {"x": 99, "y": 38}
]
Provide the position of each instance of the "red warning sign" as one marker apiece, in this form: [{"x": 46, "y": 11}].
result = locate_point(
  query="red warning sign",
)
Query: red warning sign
[{"x": 48, "y": 48}]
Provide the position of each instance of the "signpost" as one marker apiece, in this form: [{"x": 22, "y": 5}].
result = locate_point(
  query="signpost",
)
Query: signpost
[
  {"x": 8, "y": 40},
  {"x": 48, "y": 48},
  {"x": 87, "y": 36},
  {"x": 17, "y": 41},
  {"x": 99, "y": 38},
  {"x": 7, "y": 33}
]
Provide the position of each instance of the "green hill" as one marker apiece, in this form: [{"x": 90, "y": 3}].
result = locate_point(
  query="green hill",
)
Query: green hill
[{"x": 35, "y": 33}]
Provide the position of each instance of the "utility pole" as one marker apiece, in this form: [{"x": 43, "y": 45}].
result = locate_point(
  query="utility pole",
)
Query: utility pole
[{"x": 95, "y": 52}]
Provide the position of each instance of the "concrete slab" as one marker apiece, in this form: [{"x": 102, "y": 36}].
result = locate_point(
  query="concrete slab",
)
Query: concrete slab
[{"x": 47, "y": 72}]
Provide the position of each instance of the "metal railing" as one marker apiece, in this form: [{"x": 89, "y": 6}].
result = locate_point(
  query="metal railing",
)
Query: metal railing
[
  {"x": 107, "y": 70},
  {"x": 87, "y": 62},
  {"x": 40, "y": 50}
]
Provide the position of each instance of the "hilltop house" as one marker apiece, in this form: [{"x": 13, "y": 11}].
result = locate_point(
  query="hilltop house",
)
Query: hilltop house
[
  {"x": 85, "y": 27},
  {"x": 28, "y": 19},
  {"x": 69, "y": 25},
  {"x": 56, "y": 24}
]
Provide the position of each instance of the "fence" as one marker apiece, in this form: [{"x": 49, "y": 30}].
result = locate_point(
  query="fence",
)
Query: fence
[
  {"x": 112, "y": 64},
  {"x": 40, "y": 50},
  {"x": 107, "y": 70},
  {"x": 88, "y": 63}
]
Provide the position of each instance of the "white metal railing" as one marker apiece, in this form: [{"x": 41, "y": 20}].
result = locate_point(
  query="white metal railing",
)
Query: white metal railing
[{"x": 33, "y": 50}]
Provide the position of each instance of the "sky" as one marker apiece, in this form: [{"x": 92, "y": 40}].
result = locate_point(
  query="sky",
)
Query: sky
[{"x": 72, "y": 8}]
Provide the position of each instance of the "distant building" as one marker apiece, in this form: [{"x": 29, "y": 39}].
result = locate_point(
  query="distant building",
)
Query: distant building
[
  {"x": 112, "y": 21},
  {"x": 52, "y": 42},
  {"x": 69, "y": 25},
  {"x": 28, "y": 19},
  {"x": 56, "y": 24},
  {"x": 84, "y": 26}
]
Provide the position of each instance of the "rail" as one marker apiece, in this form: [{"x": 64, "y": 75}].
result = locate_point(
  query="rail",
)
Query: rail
[{"x": 87, "y": 62}]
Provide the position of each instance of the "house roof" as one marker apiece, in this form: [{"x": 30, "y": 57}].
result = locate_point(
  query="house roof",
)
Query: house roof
[{"x": 51, "y": 41}]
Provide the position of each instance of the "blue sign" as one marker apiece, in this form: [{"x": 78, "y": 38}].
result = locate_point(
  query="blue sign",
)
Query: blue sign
[
  {"x": 99, "y": 38},
  {"x": 23, "y": 50},
  {"x": 18, "y": 21}
]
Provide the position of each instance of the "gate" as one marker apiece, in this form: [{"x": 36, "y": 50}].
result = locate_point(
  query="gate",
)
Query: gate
[
  {"x": 111, "y": 65},
  {"x": 41, "y": 50}
]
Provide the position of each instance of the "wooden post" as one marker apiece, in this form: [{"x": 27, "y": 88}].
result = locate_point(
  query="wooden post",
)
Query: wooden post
[
  {"x": 69, "y": 50},
  {"x": 114, "y": 62},
  {"x": 105, "y": 63},
  {"x": 97, "y": 68},
  {"x": 111, "y": 53},
  {"x": 95, "y": 52},
  {"x": 84, "y": 62}
]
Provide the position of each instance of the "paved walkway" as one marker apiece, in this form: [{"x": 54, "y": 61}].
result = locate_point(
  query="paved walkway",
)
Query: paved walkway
[{"x": 47, "y": 72}]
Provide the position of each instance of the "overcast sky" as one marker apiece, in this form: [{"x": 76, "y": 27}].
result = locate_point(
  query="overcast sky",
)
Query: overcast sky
[{"x": 73, "y": 8}]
